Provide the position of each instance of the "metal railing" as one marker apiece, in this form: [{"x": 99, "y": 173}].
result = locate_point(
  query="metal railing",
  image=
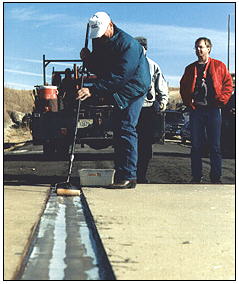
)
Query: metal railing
[{"x": 47, "y": 61}]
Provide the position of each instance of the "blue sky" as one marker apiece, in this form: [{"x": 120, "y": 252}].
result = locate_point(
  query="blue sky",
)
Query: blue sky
[{"x": 58, "y": 30}]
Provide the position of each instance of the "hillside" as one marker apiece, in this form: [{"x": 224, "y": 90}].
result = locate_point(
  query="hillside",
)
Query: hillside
[
  {"x": 16, "y": 100},
  {"x": 175, "y": 101}
]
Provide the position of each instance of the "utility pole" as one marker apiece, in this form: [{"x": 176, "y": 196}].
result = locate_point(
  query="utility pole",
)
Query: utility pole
[{"x": 228, "y": 41}]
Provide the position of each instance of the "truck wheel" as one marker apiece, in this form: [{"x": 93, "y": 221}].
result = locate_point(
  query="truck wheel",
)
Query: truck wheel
[
  {"x": 183, "y": 140},
  {"x": 49, "y": 149},
  {"x": 62, "y": 149}
]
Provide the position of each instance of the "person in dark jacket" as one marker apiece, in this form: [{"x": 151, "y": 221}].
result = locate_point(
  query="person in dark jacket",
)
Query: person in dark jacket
[
  {"x": 205, "y": 87},
  {"x": 67, "y": 91},
  {"x": 123, "y": 76}
]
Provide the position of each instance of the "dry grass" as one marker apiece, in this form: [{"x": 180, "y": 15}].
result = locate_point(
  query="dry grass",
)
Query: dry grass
[
  {"x": 17, "y": 100},
  {"x": 17, "y": 135},
  {"x": 174, "y": 98}
]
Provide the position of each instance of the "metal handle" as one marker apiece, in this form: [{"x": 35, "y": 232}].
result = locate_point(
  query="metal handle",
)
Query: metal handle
[{"x": 78, "y": 111}]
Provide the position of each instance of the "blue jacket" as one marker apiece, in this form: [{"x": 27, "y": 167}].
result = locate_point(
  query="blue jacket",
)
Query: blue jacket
[{"x": 121, "y": 67}]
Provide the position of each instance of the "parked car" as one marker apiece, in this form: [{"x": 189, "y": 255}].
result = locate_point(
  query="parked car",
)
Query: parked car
[
  {"x": 185, "y": 133},
  {"x": 228, "y": 137},
  {"x": 174, "y": 120}
]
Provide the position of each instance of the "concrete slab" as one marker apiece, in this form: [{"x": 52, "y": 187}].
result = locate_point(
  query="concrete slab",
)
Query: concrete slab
[
  {"x": 23, "y": 206},
  {"x": 167, "y": 232}
]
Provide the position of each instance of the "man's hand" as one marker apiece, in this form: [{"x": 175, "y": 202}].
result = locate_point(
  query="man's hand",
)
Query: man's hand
[
  {"x": 83, "y": 94},
  {"x": 233, "y": 111},
  {"x": 84, "y": 53}
]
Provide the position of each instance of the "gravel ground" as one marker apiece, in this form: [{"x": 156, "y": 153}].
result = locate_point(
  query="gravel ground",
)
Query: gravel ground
[{"x": 170, "y": 164}]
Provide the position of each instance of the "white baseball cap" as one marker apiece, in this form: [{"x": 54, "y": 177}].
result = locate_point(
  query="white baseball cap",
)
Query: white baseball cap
[{"x": 98, "y": 24}]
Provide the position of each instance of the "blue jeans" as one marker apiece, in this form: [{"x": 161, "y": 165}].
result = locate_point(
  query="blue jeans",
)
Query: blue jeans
[
  {"x": 126, "y": 139},
  {"x": 206, "y": 122}
]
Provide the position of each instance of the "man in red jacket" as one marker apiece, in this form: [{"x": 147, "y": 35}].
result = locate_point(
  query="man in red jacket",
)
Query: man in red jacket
[{"x": 205, "y": 87}]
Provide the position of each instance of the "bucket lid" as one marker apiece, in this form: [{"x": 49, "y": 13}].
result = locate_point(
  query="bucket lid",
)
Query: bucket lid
[{"x": 48, "y": 87}]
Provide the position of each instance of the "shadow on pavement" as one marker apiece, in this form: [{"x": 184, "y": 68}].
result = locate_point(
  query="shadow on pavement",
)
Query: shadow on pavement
[
  {"x": 41, "y": 157},
  {"x": 37, "y": 180},
  {"x": 172, "y": 154},
  {"x": 16, "y": 146}
]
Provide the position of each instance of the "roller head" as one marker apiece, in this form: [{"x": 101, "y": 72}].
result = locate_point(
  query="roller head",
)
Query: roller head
[
  {"x": 68, "y": 192},
  {"x": 67, "y": 189}
]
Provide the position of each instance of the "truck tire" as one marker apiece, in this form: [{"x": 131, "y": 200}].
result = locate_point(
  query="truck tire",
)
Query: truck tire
[
  {"x": 49, "y": 149},
  {"x": 183, "y": 140},
  {"x": 62, "y": 149}
]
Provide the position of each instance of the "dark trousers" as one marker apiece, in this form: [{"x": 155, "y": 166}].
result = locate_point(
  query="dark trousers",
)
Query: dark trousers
[
  {"x": 208, "y": 119},
  {"x": 145, "y": 132}
]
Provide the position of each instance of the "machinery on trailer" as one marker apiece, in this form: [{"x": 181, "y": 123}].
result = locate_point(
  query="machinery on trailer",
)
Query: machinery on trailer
[{"x": 52, "y": 122}]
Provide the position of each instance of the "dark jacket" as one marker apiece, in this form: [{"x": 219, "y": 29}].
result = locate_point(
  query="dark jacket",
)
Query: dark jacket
[
  {"x": 221, "y": 79},
  {"x": 121, "y": 67}
]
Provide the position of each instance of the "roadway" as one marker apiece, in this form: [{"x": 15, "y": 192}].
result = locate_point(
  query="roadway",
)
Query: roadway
[{"x": 166, "y": 230}]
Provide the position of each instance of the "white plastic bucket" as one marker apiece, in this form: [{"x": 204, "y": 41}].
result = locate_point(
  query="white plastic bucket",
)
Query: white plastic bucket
[{"x": 96, "y": 177}]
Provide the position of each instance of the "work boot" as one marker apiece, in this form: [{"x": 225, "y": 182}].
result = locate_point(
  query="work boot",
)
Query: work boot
[
  {"x": 217, "y": 181},
  {"x": 142, "y": 180},
  {"x": 196, "y": 180},
  {"x": 124, "y": 184}
]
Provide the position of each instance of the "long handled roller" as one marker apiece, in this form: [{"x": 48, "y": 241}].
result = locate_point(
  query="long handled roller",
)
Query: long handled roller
[{"x": 65, "y": 188}]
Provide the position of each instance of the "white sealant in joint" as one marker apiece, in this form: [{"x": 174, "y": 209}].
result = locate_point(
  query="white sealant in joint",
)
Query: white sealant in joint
[
  {"x": 45, "y": 225},
  {"x": 57, "y": 263},
  {"x": 84, "y": 232}
]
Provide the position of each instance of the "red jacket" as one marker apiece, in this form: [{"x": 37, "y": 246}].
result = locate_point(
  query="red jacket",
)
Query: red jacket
[{"x": 221, "y": 78}]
